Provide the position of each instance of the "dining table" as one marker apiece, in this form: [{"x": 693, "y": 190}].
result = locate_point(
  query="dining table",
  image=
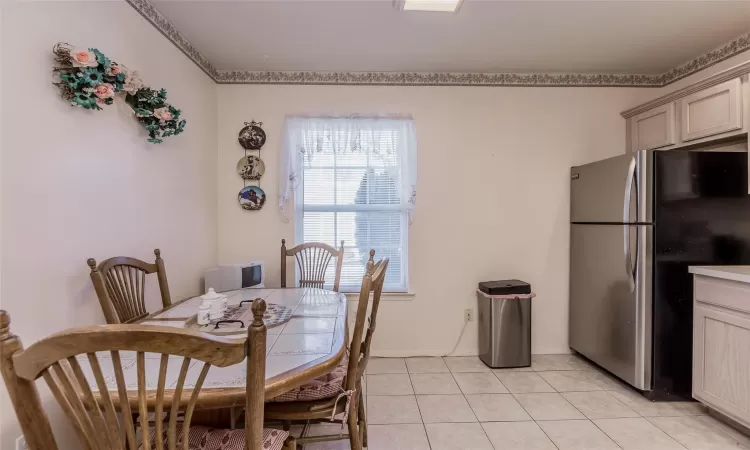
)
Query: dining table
[{"x": 306, "y": 340}]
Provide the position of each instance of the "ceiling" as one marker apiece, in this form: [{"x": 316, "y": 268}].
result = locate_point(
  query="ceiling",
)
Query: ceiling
[{"x": 626, "y": 37}]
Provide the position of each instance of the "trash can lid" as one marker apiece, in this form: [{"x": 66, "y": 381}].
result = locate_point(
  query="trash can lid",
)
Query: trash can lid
[{"x": 505, "y": 287}]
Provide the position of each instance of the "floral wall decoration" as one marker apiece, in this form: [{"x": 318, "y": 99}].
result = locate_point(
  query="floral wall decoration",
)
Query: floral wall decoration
[{"x": 90, "y": 80}]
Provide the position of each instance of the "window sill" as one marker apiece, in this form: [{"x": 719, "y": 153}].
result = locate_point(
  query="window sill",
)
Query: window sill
[{"x": 388, "y": 296}]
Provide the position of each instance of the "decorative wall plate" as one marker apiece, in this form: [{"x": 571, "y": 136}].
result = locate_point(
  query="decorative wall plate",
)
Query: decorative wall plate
[
  {"x": 252, "y": 198},
  {"x": 251, "y": 167},
  {"x": 252, "y": 137}
]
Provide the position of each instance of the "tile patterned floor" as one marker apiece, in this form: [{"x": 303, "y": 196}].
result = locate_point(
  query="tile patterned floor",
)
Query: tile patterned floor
[{"x": 561, "y": 402}]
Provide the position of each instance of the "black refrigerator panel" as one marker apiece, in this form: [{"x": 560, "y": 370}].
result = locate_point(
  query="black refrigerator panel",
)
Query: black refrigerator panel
[{"x": 702, "y": 217}]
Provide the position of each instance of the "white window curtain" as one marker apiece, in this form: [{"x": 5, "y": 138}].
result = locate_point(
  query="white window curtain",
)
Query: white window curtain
[{"x": 352, "y": 179}]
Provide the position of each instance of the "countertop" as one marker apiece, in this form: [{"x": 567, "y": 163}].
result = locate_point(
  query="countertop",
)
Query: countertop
[{"x": 734, "y": 273}]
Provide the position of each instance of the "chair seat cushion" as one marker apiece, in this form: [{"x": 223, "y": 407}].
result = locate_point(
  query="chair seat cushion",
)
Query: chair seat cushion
[
  {"x": 205, "y": 438},
  {"x": 328, "y": 386}
]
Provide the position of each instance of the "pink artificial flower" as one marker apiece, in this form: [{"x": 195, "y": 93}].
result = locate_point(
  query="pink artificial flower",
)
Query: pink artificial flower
[
  {"x": 114, "y": 69},
  {"x": 163, "y": 114},
  {"x": 83, "y": 58},
  {"x": 104, "y": 90}
]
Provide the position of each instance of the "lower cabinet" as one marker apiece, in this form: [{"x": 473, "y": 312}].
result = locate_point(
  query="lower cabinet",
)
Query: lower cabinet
[{"x": 721, "y": 360}]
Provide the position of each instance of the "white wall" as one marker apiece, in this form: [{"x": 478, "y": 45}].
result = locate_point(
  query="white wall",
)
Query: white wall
[
  {"x": 492, "y": 194},
  {"x": 78, "y": 184}
]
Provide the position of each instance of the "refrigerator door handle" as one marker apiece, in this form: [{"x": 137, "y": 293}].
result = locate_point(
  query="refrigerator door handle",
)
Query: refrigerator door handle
[{"x": 626, "y": 227}]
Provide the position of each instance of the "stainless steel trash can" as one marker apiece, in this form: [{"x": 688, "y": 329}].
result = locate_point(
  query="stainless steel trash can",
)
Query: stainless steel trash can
[{"x": 505, "y": 323}]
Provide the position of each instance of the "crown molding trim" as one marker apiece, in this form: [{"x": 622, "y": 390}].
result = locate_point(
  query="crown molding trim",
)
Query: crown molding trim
[
  {"x": 437, "y": 79},
  {"x": 146, "y": 9},
  {"x": 725, "y": 75},
  {"x": 149, "y": 12},
  {"x": 708, "y": 59}
]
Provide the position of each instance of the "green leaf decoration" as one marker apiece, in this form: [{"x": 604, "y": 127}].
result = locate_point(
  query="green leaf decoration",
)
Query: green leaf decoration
[
  {"x": 100, "y": 58},
  {"x": 77, "y": 84},
  {"x": 92, "y": 76}
]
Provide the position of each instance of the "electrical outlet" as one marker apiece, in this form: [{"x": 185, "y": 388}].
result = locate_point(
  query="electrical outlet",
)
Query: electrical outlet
[
  {"x": 468, "y": 315},
  {"x": 21, "y": 443}
]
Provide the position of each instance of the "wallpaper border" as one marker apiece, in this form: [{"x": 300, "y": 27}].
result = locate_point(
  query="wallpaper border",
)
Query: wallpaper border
[{"x": 161, "y": 23}]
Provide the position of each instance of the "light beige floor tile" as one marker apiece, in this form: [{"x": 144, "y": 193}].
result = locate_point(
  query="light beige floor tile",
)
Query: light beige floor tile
[
  {"x": 541, "y": 363},
  {"x": 637, "y": 434},
  {"x": 386, "y": 365},
  {"x": 457, "y": 436},
  {"x": 479, "y": 383},
  {"x": 693, "y": 408},
  {"x": 726, "y": 429},
  {"x": 569, "y": 381},
  {"x": 645, "y": 407},
  {"x": 466, "y": 364},
  {"x": 548, "y": 407},
  {"x": 605, "y": 380},
  {"x": 434, "y": 383},
  {"x": 577, "y": 435},
  {"x": 426, "y": 365},
  {"x": 331, "y": 445},
  {"x": 322, "y": 429},
  {"x": 388, "y": 409},
  {"x": 390, "y": 384},
  {"x": 445, "y": 408},
  {"x": 694, "y": 434},
  {"x": 496, "y": 408},
  {"x": 580, "y": 363},
  {"x": 517, "y": 436},
  {"x": 397, "y": 436},
  {"x": 599, "y": 405},
  {"x": 513, "y": 369},
  {"x": 524, "y": 382}
]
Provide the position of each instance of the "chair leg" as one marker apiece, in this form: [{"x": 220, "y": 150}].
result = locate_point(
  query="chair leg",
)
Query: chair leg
[
  {"x": 353, "y": 422},
  {"x": 290, "y": 443},
  {"x": 286, "y": 425},
  {"x": 362, "y": 419}
]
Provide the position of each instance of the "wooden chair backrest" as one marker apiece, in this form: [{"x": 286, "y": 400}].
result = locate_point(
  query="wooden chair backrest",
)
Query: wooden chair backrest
[
  {"x": 359, "y": 349},
  {"x": 312, "y": 260},
  {"x": 120, "y": 283},
  {"x": 57, "y": 359}
]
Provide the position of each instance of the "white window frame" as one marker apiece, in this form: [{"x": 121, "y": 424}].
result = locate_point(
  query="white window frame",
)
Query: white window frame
[{"x": 403, "y": 208}]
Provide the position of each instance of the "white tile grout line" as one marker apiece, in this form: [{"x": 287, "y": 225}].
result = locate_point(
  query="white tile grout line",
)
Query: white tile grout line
[
  {"x": 605, "y": 389},
  {"x": 424, "y": 426},
  {"x": 609, "y": 391}
]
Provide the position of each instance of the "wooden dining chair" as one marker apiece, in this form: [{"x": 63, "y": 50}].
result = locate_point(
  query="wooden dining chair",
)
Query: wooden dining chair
[
  {"x": 71, "y": 365},
  {"x": 341, "y": 390},
  {"x": 312, "y": 261},
  {"x": 120, "y": 283}
]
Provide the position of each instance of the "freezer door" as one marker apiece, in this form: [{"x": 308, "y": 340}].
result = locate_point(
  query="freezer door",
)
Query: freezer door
[
  {"x": 615, "y": 190},
  {"x": 610, "y": 298}
]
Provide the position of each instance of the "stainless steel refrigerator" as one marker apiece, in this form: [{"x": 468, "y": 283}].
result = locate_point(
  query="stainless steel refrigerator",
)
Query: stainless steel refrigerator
[{"x": 637, "y": 222}]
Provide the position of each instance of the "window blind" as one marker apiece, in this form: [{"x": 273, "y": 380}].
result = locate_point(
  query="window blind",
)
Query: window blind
[{"x": 352, "y": 189}]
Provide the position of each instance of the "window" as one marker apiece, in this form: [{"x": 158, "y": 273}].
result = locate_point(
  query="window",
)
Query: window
[{"x": 354, "y": 180}]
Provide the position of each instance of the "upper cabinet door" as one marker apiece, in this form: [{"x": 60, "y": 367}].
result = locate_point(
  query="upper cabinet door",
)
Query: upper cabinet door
[
  {"x": 711, "y": 111},
  {"x": 653, "y": 128}
]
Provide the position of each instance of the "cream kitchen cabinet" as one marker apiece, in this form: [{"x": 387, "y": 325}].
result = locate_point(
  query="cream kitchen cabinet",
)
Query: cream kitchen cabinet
[
  {"x": 721, "y": 340},
  {"x": 712, "y": 111},
  {"x": 654, "y": 128}
]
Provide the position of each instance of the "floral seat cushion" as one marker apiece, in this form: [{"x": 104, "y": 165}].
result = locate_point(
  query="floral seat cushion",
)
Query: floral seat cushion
[
  {"x": 328, "y": 386},
  {"x": 205, "y": 438}
]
